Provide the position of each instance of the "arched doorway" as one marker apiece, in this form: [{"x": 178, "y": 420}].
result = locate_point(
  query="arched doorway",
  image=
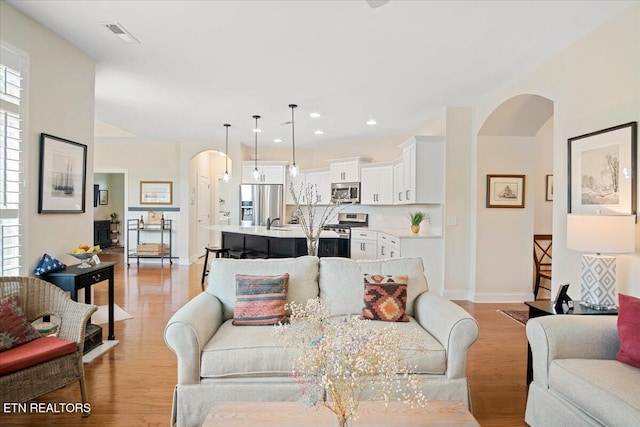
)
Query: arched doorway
[{"x": 515, "y": 139}]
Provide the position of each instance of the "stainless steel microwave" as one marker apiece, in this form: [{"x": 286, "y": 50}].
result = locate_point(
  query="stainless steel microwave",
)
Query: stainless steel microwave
[{"x": 345, "y": 192}]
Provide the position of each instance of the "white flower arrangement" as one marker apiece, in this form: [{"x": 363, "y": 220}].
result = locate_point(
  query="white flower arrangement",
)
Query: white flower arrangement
[{"x": 337, "y": 360}]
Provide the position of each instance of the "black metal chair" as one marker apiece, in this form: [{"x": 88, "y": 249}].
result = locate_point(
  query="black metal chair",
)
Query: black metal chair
[{"x": 219, "y": 252}]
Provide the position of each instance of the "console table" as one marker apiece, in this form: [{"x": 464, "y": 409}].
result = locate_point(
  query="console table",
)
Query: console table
[
  {"x": 72, "y": 278},
  {"x": 546, "y": 308}
]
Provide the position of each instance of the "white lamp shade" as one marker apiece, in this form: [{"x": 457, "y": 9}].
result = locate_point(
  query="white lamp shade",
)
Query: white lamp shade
[{"x": 609, "y": 234}]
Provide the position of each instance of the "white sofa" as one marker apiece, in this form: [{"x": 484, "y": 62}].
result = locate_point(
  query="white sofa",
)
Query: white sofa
[
  {"x": 577, "y": 380},
  {"x": 218, "y": 361}
]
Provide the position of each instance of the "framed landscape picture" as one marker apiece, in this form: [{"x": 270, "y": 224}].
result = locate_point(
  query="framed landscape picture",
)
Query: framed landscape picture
[
  {"x": 156, "y": 192},
  {"x": 63, "y": 175},
  {"x": 505, "y": 191},
  {"x": 549, "y": 188},
  {"x": 602, "y": 171}
]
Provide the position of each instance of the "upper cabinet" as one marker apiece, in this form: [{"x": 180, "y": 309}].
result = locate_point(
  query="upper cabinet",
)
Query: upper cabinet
[
  {"x": 320, "y": 178},
  {"x": 423, "y": 164},
  {"x": 398, "y": 182},
  {"x": 377, "y": 184},
  {"x": 298, "y": 183},
  {"x": 268, "y": 172},
  {"x": 345, "y": 170}
]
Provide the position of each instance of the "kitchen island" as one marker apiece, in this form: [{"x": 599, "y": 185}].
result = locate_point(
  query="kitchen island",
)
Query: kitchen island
[{"x": 278, "y": 242}]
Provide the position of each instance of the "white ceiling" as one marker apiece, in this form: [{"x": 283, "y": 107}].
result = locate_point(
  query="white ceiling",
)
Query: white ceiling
[{"x": 200, "y": 64}]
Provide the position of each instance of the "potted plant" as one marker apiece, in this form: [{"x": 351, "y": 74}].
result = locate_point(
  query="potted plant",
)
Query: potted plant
[{"x": 416, "y": 220}]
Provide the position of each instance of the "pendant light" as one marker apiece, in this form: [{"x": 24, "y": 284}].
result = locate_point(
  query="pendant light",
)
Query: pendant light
[
  {"x": 225, "y": 177},
  {"x": 293, "y": 170},
  {"x": 256, "y": 173}
]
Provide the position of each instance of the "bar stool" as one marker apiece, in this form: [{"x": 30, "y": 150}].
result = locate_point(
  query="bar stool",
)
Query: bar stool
[{"x": 220, "y": 253}]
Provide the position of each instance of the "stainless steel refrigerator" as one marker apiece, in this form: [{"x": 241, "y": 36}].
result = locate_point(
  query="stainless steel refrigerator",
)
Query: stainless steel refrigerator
[{"x": 259, "y": 202}]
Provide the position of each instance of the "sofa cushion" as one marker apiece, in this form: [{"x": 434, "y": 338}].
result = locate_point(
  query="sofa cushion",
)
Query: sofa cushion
[
  {"x": 15, "y": 330},
  {"x": 607, "y": 390},
  {"x": 35, "y": 352},
  {"x": 385, "y": 298},
  {"x": 341, "y": 281},
  {"x": 260, "y": 300},
  {"x": 303, "y": 277},
  {"x": 629, "y": 330},
  {"x": 245, "y": 351}
]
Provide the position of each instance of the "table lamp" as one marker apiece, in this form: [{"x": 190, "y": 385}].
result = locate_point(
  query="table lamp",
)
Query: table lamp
[{"x": 602, "y": 234}]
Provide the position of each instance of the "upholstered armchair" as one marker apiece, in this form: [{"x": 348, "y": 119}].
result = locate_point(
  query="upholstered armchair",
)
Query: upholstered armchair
[{"x": 46, "y": 363}]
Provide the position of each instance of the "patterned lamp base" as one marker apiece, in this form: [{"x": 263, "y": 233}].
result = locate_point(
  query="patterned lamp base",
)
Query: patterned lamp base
[{"x": 599, "y": 282}]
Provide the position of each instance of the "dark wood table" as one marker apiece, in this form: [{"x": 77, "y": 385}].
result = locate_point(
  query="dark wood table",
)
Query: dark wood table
[
  {"x": 546, "y": 308},
  {"x": 72, "y": 279}
]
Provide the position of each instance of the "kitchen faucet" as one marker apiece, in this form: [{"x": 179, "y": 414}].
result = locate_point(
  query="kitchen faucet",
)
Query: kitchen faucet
[{"x": 271, "y": 221}]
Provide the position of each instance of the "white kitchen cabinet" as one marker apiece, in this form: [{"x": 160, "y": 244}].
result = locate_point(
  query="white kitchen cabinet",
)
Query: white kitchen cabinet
[
  {"x": 364, "y": 244},
  {"x": 377, "y": 184},
  {"x": 398, "y": 182},
  {"x": 345, "y": 170},
  {"x": 388, "y": 246},
  {"x": 299, "y": 181},
  {"x": 268, "y": 172},
  {"x": 423, "y": 164},
  {"x": 320, "y": 178}
]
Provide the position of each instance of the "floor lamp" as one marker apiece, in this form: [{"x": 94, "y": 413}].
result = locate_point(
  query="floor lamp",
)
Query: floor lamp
[{"x": 602, "y": 234}]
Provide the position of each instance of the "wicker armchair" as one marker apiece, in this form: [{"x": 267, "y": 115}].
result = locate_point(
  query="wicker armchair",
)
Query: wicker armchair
[{"x": 41, "y": 298}]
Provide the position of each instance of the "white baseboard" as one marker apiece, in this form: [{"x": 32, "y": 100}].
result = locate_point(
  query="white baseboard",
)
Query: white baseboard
[
  {"x": 503, "y": 297},
  {"x": 459, "y": 295}
]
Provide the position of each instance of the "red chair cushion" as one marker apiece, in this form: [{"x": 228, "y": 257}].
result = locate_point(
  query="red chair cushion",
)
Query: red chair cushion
[{"x": 35, "y": 352}]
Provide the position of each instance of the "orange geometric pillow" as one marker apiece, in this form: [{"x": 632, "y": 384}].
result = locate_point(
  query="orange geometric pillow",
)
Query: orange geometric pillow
[
  {"x": 385, "y": 298},
  {"x": 14, "y": 327}
]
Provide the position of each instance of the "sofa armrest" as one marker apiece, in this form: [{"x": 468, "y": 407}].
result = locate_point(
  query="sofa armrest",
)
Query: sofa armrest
[
  {"x": 570, "y": 337},
  {"x": 451, "y": 325},
  {"x": 188, "y": 330}
]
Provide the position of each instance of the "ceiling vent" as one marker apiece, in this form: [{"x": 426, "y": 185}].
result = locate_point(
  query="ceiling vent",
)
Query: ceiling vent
[{"x": 118, "y": 30}]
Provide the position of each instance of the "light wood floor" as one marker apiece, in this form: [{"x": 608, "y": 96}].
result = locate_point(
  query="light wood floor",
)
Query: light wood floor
[{"x": 132, "y": 385}]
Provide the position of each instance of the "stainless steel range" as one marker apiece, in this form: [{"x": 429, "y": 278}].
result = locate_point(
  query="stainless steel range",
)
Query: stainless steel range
[{"x": 346, "y": 221}]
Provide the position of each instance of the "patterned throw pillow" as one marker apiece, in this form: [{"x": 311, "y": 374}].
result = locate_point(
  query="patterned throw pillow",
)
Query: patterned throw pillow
[
  {"x": 629, "y": 330},
  {"x": 260, "y": 300},
  {"x": 385, "y": 298},
  {"x": 14, "y": 327}
]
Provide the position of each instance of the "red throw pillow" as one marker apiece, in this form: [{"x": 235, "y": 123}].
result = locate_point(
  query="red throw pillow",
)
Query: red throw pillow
[
  {"x": 260, "y": 300},
  {"x": 629, "y": 330},
  {"x": 14, "y": 327},
  {"x": 385, "y": 298}
]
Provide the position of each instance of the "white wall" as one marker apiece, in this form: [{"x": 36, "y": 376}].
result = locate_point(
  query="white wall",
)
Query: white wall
[
  {"x": 542, "y": 166},
  {"x": 594, "y": 84},
  {"x": 61, "y": 103},
  {"x": 504, "y": 235}
]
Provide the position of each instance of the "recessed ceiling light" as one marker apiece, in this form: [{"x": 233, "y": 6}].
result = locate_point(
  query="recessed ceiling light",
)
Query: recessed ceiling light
[
  {"x": 319, "y": 132},
  {"x": 315, "y": 115},
  {"x": 371, "y": 122},
  {"x": 277, "y": 140},
  {"x": 121, "y": 32}
]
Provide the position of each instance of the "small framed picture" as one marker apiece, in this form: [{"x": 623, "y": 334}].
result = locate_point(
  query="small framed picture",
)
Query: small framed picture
[
  {"x": 505, "y": 191},
  {"x": 104, "y": 197},
  {"x": 154, "y": 218},
  {"x": 549, "y": 187}
]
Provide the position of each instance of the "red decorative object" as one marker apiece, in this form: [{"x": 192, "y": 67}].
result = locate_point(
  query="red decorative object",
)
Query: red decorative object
[{"x": 629, "y": 330}]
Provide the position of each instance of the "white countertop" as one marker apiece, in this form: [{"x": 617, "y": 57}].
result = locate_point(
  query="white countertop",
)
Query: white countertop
[{"x": 296, "y": 231}]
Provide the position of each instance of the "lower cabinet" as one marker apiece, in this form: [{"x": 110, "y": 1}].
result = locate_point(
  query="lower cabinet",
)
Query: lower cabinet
[
  {"x": 388, "y": 246},
  {"x": 364, "y": 244},
  {"x": 101, "y": 233}
]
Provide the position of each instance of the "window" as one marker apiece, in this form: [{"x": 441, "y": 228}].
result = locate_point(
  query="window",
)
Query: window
[{"x": 12, "y": 165}]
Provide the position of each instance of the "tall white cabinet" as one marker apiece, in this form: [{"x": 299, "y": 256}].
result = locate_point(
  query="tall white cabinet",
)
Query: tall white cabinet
[{"x": 422, "y": 176}]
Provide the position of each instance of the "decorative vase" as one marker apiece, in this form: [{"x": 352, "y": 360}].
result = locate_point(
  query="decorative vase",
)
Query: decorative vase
[
  {"x": 312, "y": 246},
  {"x": 415, "y": 229},
  {"x": 341, "y": 420}
]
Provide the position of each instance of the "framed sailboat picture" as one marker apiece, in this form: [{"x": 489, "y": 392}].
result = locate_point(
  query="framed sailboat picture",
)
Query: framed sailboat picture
[
  {"x": 505, "y": 191},
  {"x": 63, "y": 175}
]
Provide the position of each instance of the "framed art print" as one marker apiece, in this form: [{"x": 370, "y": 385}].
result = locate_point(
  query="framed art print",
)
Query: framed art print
[
  {"x": 63, "y": 175},
  {"x": 156, "y": 192},
  {"x": 104, "y": 197},
  {"x": 549, "y": 188},
  {"x": 602, "y": 171},
  {"x": 505, "y": 191}
]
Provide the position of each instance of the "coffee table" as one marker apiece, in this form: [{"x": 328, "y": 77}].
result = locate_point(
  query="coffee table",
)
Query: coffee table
[{"x": 282, "y": 414}]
